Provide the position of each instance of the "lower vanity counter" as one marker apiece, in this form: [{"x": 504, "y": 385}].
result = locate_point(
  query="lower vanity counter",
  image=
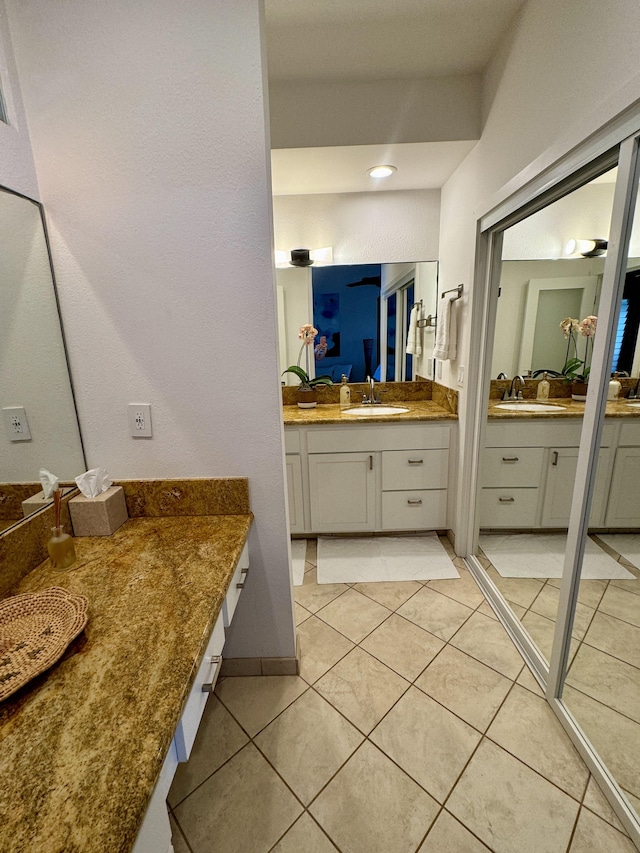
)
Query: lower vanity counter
[{"x": 82, "y": 745}]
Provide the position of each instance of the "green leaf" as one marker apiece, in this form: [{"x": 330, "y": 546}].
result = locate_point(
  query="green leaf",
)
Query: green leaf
[
  {"x": 321, "y": 380},
  {"x": 299, "y": 372}
]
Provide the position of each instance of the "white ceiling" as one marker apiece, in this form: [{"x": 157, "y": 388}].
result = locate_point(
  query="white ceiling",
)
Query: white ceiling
[
  {"x": 382, "y": 39},
  {"x": 421, "y": 165},
  {"x": 347, "y": 40}
]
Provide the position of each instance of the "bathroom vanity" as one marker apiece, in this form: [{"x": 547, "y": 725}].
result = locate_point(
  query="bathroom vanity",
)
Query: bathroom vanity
[{"x": 388, "y": 473}]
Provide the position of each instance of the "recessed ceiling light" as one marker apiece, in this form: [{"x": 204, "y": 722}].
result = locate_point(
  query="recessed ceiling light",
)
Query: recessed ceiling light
[{"x": 381, "y": 171}]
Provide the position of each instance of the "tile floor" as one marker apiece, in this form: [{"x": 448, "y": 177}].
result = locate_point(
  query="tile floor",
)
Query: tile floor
[
  {"x": 414, "y": 726},
  {"x": 603, "y": 681}
]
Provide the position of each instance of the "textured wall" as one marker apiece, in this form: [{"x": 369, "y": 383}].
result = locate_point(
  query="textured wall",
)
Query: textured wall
[{"x": 149, "y": 135}]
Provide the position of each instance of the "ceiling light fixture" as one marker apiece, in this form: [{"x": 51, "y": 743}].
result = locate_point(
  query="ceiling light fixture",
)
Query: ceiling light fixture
[
  {"x": 381, "y": 171},
  {"x": 586, "y": 248},
  {"x": 304, "y": 257}
]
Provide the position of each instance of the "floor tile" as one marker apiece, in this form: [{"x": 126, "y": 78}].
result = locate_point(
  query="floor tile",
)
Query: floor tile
[
  {"x": 546, "y": 604},
  {"x": 465, "y": 686},
  {"x": 430, "y": 743},
  {"x": 219, "y": 737},
  {"x": 520, "y": 591},
  {"x": 229, "y": 813},
  {"x": 312, "y": 595},
  {"x": 308, "y": 743},
  {"x": 509, "y": 806},
  {"x": 321, "y": 646},
  {"x": 312, "y": 551},
  {"x": 632, "y": 586},
  {"x": 541, "y": 630},
  {"x": 618, "y": 638},
  {"x": 634, "y": 801},
  {"x": 372, "y": 806},
  {"x": 487, "y": 641},
  {"x": 301, "y": 613},
  {"x": 593, "y": 835},
  {"x": 487, "y": 610},
  {"x": 447, "y": 835},
  {"x": 391, "y": 594},
  {"x": 256, "y": 700},
  {"x": 607, "y": 679},
  {"x": 305, "y": 835},
  {"x": 178, "y": 841},
  {"x": 595, "y": 800},
  {"x": 590, "y": 592},
  {"x": 617, "y": 602},
  {"x": 526, "y": 679},
  {"x": 354, "y": 615},
  {"x": 614, "y": 737},
  {"x": 463, "y": 589},
  {"x": 403, "y": 646},
  {"x": 362, "y": 688},
  {"x": 527, "y": 727},
  {"x": 435, "y": 612}
]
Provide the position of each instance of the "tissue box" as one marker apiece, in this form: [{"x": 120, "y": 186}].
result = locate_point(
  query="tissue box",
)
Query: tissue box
[
  {"x": 99, "y": 516},
  {"x": 36, "y": 502}
]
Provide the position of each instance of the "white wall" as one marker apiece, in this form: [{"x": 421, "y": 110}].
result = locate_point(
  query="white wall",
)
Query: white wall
[
  {"x": 363, "y": 228},
  {"x": 149, "y": 135}
]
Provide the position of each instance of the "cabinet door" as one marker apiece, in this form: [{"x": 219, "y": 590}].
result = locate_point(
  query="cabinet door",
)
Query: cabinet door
[
  {"x": 624, "y": 498},
  {"x": 342, "y": 487},
  {"x": 294, "y": 491},
  {"x": 559, "y": 489}
]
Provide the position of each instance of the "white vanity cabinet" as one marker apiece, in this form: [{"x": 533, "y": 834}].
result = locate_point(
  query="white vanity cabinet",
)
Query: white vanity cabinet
[
  {"x": 374, "y": 477},
  {"x": 294, "y": 482},
  {"x": 528, "y": 473},
  {"x": 623, "y": 509}
]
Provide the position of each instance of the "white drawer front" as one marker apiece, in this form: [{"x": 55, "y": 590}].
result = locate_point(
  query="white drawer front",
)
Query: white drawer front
[
  {"x": 415, "y": 469},
  {"x": 235, "y": 587},
  {"x": 291, "y": 441},
  {"x": 630, "y": 434},
  {"x": 207, "y": 673},
  {"x": 512, "y": 466},
  {"x": 509, "y": 507},
  {"x": 377, "y": 437},
  {"x": 414, "y": 510}
]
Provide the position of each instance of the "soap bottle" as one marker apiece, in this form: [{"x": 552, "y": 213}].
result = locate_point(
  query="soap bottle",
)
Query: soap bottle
[
  {"x": 61, "y": 548},
  {"x": 345, "y": 393},
  {"x": 543, "y": 388},
  {"x": 614, "y": 388}
]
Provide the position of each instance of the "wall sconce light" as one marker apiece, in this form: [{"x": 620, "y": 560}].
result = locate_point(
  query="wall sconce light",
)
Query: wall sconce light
[
  {"x": 381, "y": 171},
  {"x": 586, "y": 248},
  {"x": 304, "y": 257}
]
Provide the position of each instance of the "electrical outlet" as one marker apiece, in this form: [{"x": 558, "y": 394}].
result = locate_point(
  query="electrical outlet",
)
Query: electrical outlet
[
  {"x": 16, "y": 423},
  {"x": 139, "y": 416},
  {"x": 460, "y": 377}
]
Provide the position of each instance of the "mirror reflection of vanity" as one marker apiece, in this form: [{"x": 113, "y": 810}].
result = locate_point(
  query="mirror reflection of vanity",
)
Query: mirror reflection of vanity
[
  {"x": 34, "y": 374},
  {"x": 362, "y": 312}
]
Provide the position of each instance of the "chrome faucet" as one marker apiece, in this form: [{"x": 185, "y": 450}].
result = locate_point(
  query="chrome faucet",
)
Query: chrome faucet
[
  {"x": 634, "y": 392},
  {"x": 371, "y": 399},
  {"x": 515, "y": 392}
]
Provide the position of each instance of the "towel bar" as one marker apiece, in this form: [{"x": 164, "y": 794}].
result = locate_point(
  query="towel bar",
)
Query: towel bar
[{"x": 459, "y": 288}]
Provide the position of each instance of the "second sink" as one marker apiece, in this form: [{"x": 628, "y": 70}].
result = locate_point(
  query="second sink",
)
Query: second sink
[
  {"x": 375, "y": 410},
  {"x": 528, "y": 407}
]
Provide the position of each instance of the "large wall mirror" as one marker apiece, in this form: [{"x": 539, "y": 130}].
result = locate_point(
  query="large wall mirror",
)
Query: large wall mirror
[
  {"x": 362, "y": 314},
  {"x": 562, "y": 563},
  {"x": 34, "y": 376}
]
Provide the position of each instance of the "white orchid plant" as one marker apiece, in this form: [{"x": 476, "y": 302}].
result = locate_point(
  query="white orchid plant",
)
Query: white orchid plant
[
  {"x": 577, "y": 369},
  {"x": 307, "y": 334}
]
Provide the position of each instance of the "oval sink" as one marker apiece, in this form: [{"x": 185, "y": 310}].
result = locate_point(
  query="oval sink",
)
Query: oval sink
[
  {"x": 375, "y": 410},
  {"x": 634, "y": 405},
  {"x": 528, "y": 407}
]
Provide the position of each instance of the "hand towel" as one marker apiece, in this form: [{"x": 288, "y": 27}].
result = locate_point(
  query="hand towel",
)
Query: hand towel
[
  {"x": 446, "y": 347},
  {"x": 414, "y": 346}
]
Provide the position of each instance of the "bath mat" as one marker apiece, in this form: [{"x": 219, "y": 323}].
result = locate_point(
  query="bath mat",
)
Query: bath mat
[
  {"x": 627, "y": 544},
  {"x": 382, "y": 558},
  {"x": 534, "y": 555},
  {"x": 298, "y": 555}
]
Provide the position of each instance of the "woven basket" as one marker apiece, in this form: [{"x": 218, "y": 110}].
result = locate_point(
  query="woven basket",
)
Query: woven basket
[{"x": 35, "y": 629}]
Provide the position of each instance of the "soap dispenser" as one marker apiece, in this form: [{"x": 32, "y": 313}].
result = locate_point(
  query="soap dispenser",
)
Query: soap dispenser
[
  {"x": 614, "y": 388},
  {"x": 543, "y": 388},
  {"x": 345, "y": 393}
]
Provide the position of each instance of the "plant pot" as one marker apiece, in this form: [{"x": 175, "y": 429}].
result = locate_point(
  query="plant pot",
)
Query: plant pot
[
  {"x": 307, "y": 398},
  {"x": 579, "y": 391}
]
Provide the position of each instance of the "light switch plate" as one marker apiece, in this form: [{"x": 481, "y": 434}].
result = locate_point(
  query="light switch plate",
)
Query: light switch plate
[
  {"x": 139, "y": 416},
  {"x": 16, "y": 423}
]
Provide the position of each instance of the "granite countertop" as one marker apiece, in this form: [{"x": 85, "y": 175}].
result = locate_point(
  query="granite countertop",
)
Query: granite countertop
[
  {"x": 419, "y": 410},
  {"x": 82, "y": 745},
  {"x": 570, "y": 409}
]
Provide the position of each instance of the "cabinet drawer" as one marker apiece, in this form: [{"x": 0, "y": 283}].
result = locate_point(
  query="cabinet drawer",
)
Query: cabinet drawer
[
  {"x": 415, "y": 469},
  {"x": 377, "y": 437},
  {"x": 235, "y": 587},
  {"x": 414, "y": 510},
  {"x": 630, "y": 435},
  {"x": 512, "y": 466},
  {"x": 509, "y": 507},
  {"x": 291, "y": 441},
  {"x": 203, "y": 685}
]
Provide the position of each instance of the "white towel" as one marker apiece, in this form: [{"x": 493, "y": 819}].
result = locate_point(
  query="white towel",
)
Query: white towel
[
  {"x": 446, "y": 347},
  {"x": 414, "y": 345}
]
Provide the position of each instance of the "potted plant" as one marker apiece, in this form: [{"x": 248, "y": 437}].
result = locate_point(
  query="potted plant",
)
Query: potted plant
[
  {"x": 307, "y": 398},
  {"x": 576, "y": 370}
]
